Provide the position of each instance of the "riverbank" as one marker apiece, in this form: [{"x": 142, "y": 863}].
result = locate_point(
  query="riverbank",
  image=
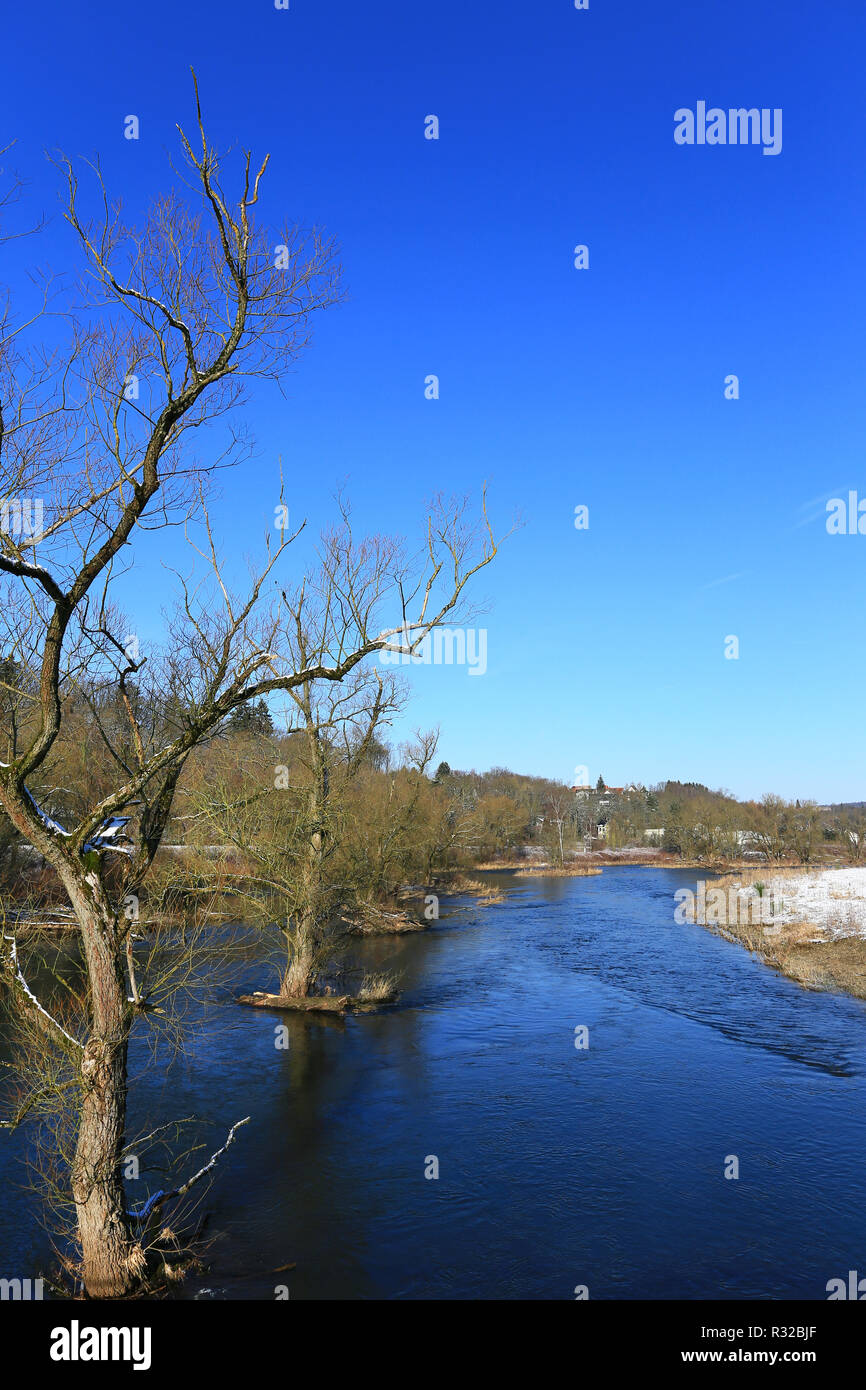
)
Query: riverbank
[
  {"x": 542, "y": 870},
  {"x": 810, "y": 924},
  {"x": 580, "y": 865}
]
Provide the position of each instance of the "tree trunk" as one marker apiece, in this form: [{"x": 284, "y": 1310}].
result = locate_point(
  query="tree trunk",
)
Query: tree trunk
[
  {"x": 305, "y": 940},
  {"x": 112, "y": 1260},
  {"x": 301, "y": 969}
]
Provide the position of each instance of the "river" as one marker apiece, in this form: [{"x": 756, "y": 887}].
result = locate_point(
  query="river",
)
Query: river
[{"x": 558, "y": 1167}]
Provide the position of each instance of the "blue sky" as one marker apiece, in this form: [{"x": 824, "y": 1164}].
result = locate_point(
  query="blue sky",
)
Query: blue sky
[{"x": 559, "y": 387}]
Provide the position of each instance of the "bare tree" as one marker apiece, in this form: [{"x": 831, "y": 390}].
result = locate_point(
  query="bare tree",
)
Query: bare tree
[
  {"x": 850, "y": 828},
  {"x": 286, "y": 821},
  {"x": 174, "y": 319},
  {"x": 771, "y": 825},
  {"x": 804, "y": 831},
  {"x": 557, "y": 809}
]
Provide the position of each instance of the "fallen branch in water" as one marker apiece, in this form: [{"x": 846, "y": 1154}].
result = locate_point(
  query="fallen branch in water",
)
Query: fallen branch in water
[
  {"x": 159, "y": 1199},
  {"x": 371, "y": 920}
]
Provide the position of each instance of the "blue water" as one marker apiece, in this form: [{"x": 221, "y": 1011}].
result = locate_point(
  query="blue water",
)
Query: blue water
[{"x": 557, "y": 1167}]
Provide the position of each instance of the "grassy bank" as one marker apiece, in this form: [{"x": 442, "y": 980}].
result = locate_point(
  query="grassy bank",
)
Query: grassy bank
[{"x": 817, "y": 954}]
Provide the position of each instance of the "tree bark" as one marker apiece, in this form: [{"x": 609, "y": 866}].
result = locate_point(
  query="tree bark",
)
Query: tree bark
[
  {"x": 305, "y": 939},
  {"x": 111, "y": 1261},
  {"x": 301, "y": 969},
  {"x": 111, "y": 1258}
]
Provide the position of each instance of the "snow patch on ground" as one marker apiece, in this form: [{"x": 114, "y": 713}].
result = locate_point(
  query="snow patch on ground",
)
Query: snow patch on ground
[{"x": 834, "y": 899}]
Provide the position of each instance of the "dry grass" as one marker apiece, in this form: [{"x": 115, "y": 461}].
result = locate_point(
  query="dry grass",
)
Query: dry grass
[
  {"x": 476, "y": 888},
  {"x": 378, "y": 989},
  {"x": 559, "y": 871},
  {"x": 838, "y": 964},
  {"x": 802, "y": 951}
]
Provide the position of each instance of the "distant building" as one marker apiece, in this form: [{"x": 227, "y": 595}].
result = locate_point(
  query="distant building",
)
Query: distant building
[{"x": 585, "y": 792}]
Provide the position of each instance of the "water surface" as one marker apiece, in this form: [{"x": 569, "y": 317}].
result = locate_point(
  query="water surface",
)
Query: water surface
[{"x": 557, "y": 1167}]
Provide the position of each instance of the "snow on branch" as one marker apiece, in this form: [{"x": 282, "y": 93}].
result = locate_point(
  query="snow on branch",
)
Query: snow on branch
[
  {"x": 160, "y": 1198},
  {"x": 19, "y": 976}
]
